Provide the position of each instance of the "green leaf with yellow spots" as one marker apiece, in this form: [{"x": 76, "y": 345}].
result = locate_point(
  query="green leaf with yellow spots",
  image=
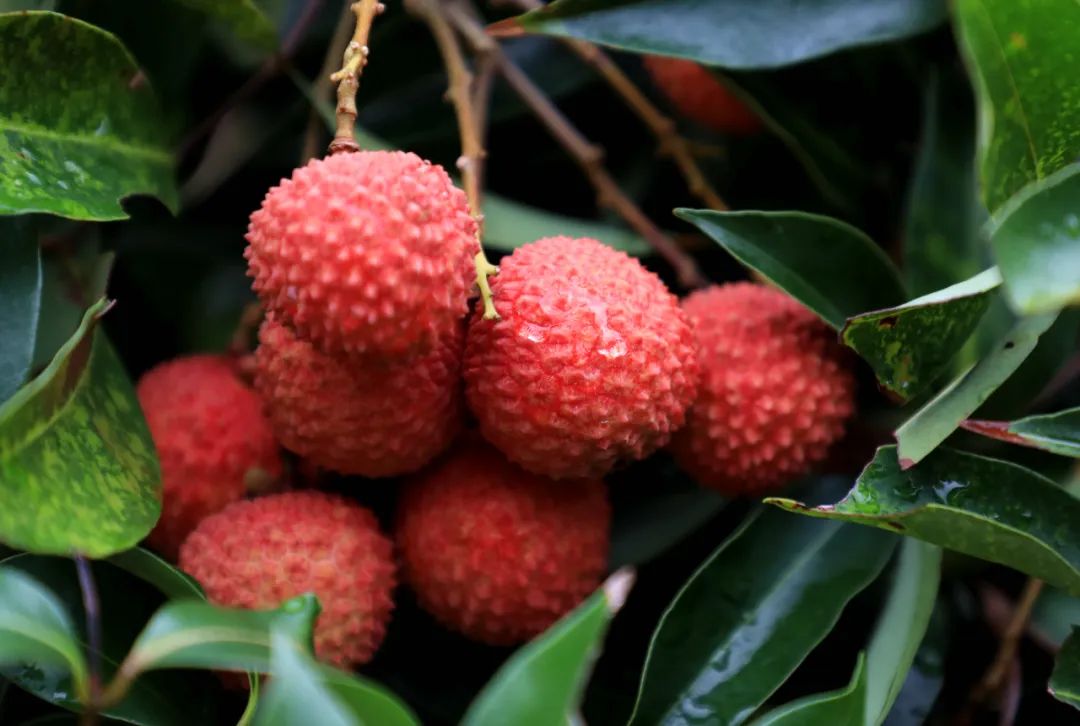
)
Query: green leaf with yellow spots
[{"x": 76, "y": 457}]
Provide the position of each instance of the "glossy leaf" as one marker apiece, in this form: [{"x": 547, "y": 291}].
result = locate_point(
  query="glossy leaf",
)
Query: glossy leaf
[
  {"x": 924, "y": 680},
  {"x": 844, "y": 707},
  {"x": 242, "y": 17},
  {"x": 908, "y": 346},
  {"x": 750, "y": 615},
  {"x": 1054, "y": 615},
  {"x": 938, "y": 418},
  {"x": 829, "y": 266},
  {"x": 508, "y": 225},
  {"x": 75, "y": 450},
  {"x": 70, "y": 283},
  {"x": 81, "y": 129},
  {"x": 733, "y": 33},
  {"x": 1036, "y": 240},
  {"x": 983, "y": 507},
  {"x": 901, "y": 626},
  {"x": 148, "y": 567},
  {"x": 543, "y": 682},
  {"x": 1065, "y": 680},
  {"x": 1020, "y": 54},
  {"x": 20, "y": 281},
  {"x": 1055, "y": 432}
]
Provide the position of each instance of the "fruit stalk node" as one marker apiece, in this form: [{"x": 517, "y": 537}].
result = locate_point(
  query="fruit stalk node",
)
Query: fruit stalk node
[{"x": 348, "y": 76}]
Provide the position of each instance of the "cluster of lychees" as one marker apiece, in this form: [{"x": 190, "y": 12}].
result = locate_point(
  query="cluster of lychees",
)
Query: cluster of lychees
[{"x": 367, "y": 365}]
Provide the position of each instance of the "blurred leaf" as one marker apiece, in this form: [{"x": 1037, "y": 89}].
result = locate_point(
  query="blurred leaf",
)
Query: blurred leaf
[
  {"x": 35, "y": 629},
  {"x": 75, "y": 451},
  {"x": 1054, "y": 615},
  {"x": 908, "y": 346},
  {"x": 829, "y": 266},
  {"x": 82, "y": 128},
  {"x": 901, "y": 626},
  {"x": 148, "y": 567},
  {"x": 838, "y": 708},
  {"x": 508, "y": 225},
  {"x": 732, "y": 33},
  {"x": 1020, "y": 53},
  {"x": 1065, "y": 680},
  {"x": 20, "y": 282},
  {"x": 242, "y": 17},
  {"x": 543, "y": 682},
  {"x": 749, "y": 616},
  {"x": 924, "y": 679},
  {"x": 1058, "y": 433},
  {"x": 939, "y": 417},
  {"x": 373, "y": 703},
  {"x": 1036, "y": 240},
  {"x": 983, "y": 507}
]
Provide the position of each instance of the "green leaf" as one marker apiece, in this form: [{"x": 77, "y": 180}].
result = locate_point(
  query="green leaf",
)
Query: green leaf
[
  {"x": 36, "y": 630},
  {"x": 923, "y": 683},
  {"x": 543, "y": 682},
  {"x": 733, "y": 33},
  {"x": 901, "y": 626},
  {"x": 1065, "y": 680},
  {"x": 75, "y": 451},
  {"x": 908, "y": 346},
  {"x": 939, "y": 417},
  {"x": 983, "y": 507},
  {"x": 1058, "y": 433},
  {"x": 838, "y": 708},
  {"x": 1036, "y": 240},
  {"x": 70, "y": 283},
  {"x": 147, "y": 566},
  {"x": 79, "y": 129},
  {"x": 508, "y": 225},
  {"x": 749, "y": 616},
  {"x": 242, "y": 17},
  {"x": 1054, "y": 615},
  {"x": 20, "y": 281},
  {"x": 827, "y": 265},
  {"x": 371, "y": 702},
  {"x": 1020, "y": 54}
]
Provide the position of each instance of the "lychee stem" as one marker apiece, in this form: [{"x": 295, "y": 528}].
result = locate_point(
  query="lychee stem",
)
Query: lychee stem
[{"x": 348, "y": 77}]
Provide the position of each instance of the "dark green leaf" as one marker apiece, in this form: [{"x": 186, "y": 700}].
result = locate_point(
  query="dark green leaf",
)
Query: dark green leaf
[
  {"x": 1036, "y": 240},
  {"x": 839, "y": 708},
  {"x": 71, "y": 282},
  {"x": 1055, "y": 432},
  {"x": 1065, "y": 680},
  {"x": 908, "y": 346},
  {"x": 20, "y": 281},
  {"x": 1054, "y": 615},
  {"x": 150, "y": 568},
  {"x": 829, "y": 266},
  {"x": 371, "y": 702},
  {"x": 750, "y": 615},
  {"x": 508, "y": 225},
  {"x": 543, "y": 682},
  {"x": 1020, "y": 54},
  {"x": 243, "y": 18},
  {"x": 924, "y": 679},
  {"x": 79, "y": 130},
  {"x": 75, "y": 451},
  {"x": 939, "y": 417},
  {"x": 733, "y": 33},
  {"x": 983, "y": 507}
]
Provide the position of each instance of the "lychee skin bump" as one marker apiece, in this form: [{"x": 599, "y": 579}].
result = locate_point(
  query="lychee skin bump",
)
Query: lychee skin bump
[
  {"x": 368, "y": 254},
  {"x": 775, "y": 393},
  {"x": 496, "y": 553},
  {"x": 212, "y": 440},
  {"x": 696, "y": 94},
  {"x": 592, "y": 362},
  {"x": 257, "y": 553},
  {"x": 355, "y": 418}
]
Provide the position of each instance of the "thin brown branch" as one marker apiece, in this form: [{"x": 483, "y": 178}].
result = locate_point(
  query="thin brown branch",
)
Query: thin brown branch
[
  {"x": 991, "y": 682},
  {"x": 587, "y": 155},
  {"x": 483, "y": 83},
  {"x": 321, "y": 86},
  {"x": 354, "y": 59}
]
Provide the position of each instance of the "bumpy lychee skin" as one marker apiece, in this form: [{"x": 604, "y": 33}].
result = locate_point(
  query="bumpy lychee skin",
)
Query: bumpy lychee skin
[
  {"x": 592, "y": 362},
  {"x": 775, "y": 393},
  {"x": 358, "y": 418},
  {"x": 696, "y": 94},
  {"x": 367, "y": 254},
  {"x": 258, "y": 552},
  {"x": 496, "y": 553},
  {"x": 212, "y": 439}
]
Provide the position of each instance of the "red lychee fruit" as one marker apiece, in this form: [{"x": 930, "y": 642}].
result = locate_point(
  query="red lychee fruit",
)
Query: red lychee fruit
[
  {"x": 775, "y": 391},
  {"x": 365, "y": 254},
  {"x": 212, "y": 439},
  {"x": 360, "y": 418},
  {"x": 696, "y": 94},
  {"x": 592, "y": 362},
  {"x": 496, "y": 553},
  {"x": 259, "y": 552}
]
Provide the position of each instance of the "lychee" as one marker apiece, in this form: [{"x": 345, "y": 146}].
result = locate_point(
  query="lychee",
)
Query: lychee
[
  {"x": 212, "y": 439},
  {"x": 699, "y": 96},
  {"x": 775, "y": 392},
  {"x": 365, "y": 254},
  {"x": 259, "y": 552},
  {"x": 592, "y": 362},
  {"x": 496, "y": 553},
  {"x": 360, "y": 418}
]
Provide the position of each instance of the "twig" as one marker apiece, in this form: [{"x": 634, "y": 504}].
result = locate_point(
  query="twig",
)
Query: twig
[
  {"x": 662, "y": 127},
  {"x": 462, "y": 95},
  {"x": 354, "y": 59},
  {"x": 92, "y": 606},
  {"x": 587, "y": 155},
  {"x": 995, "y": 675},
  {"x": 321, "y": 86},
  {"x": 483, "y": 83}
]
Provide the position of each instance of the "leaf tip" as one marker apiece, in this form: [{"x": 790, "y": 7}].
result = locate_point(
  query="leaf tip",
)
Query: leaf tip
[
  {"x": 508, "y": 28},
  {"x": 617, "y": 588}
]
